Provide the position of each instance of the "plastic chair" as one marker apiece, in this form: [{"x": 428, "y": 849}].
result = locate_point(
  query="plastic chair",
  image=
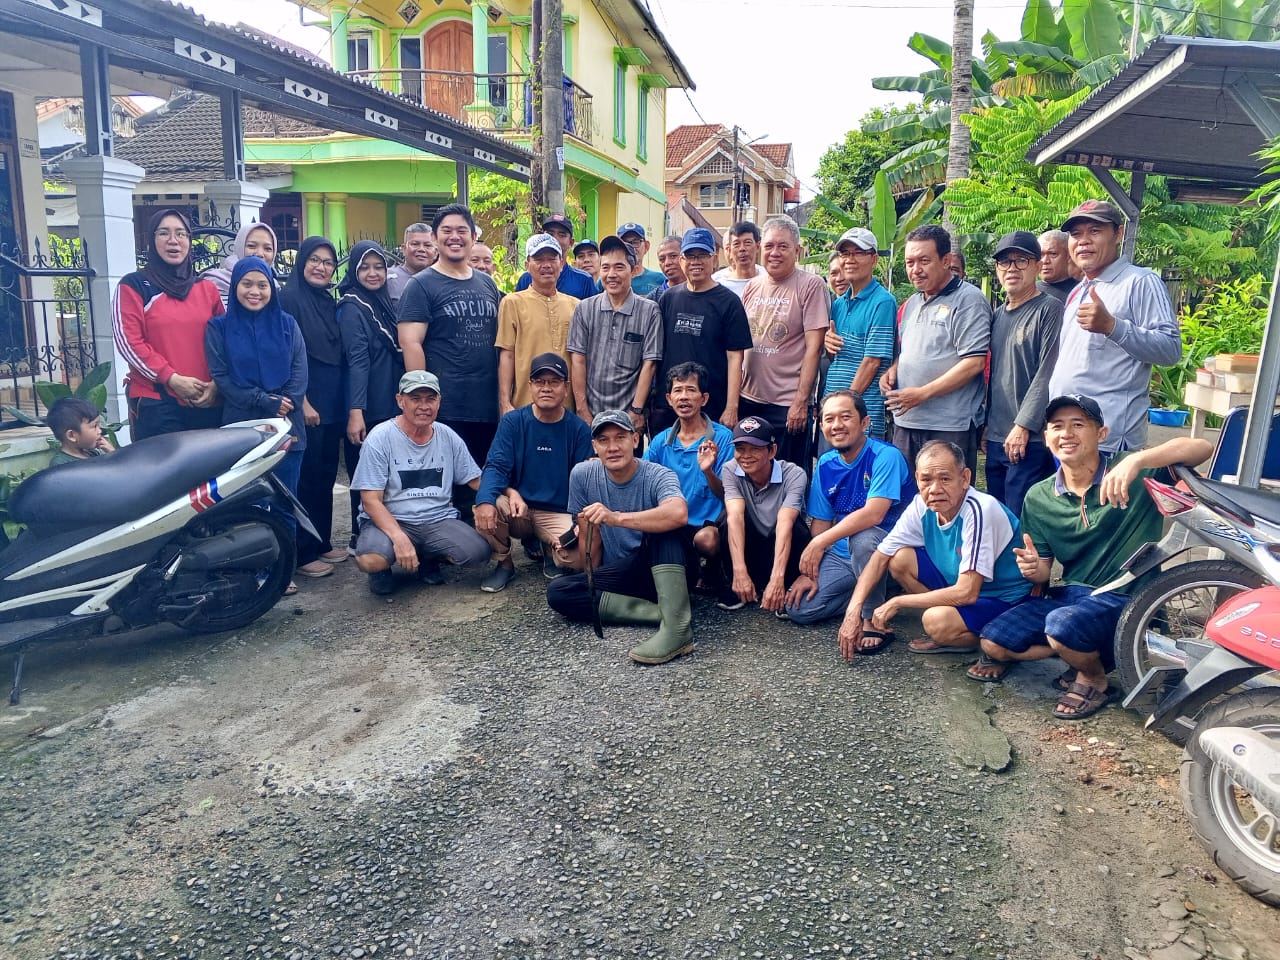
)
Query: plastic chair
[{"x": 1226, "y": 458}]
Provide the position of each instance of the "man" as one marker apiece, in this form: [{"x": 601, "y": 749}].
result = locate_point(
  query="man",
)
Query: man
[
  {"x": 645, "y": 280},
  {"x": 1055, "y": 265},
  {"x": 763, "y": 533},
  {"x": 1118, "y": 322},
  {"x": 525, "y": 487},
  {"x": 669, "y": 263},
  {"x": 864, "y": 326},
  {"x": 955, "y": 262},
  {"x": 696, "y": 449},
  {"x": 1024, "y": 348},
  {"x": 408, "y": 468},
  {"x": 448, "y": 319},
  {"x": 703, "y": 322},
  {"x": 586, "y": 257},
  {"x": 532, "y": 321},
  {"x": 788, "y": 312},
  {"x": 836, "y": 281},
  {"x": 629, "y": 516},
  {"x": 1089, "y": 517},
  {"x": 859, "y": 490},
  {"x": 420, "y": 251},
  {"x": 744, "y": 258},
  {"x": 615, "y": 341},
  {"x": 482, "y": 258},
  {"x": 952, "y": 553},
  {"x": 571, "y": 280},
  {"x": 935, "y": 389}
]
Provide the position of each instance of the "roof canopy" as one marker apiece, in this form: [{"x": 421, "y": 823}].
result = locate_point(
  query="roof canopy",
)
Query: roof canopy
[{"x": 153, "y": 39}]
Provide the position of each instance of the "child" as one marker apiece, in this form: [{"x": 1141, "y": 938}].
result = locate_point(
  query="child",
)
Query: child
[{"x": 77, "y": 426}]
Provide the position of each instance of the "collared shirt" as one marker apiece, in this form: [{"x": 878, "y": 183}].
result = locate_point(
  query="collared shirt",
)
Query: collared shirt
[
  {"x": 785, "y": 488},
  {"x": 868, "y": 323},
  {"x": 574, "y": 282},
  {"x": 840, "y": 488},
  {"x": 616, "y": 343},
  {"x": 668, "y": 449},
  {"x": 937, "y": 333},
  {"x": 1115, "y": 368},
  {"x": 530, "y": 324}
]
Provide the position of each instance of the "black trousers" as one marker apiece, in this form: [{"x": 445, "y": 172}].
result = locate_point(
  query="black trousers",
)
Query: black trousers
[
  {"x": 758, "y": 550},
  {"x": 478, "y": 437},
  {"x": 632, "y": 577},
  {"x": 351, "y": 458},
  {"x": 315, "y": 487},
  {"x": 150, "y": 418},
  {"x": 792, "y": 447}
]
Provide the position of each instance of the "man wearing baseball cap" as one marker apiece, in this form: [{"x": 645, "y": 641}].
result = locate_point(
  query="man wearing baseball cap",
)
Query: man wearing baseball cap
[
  {"x": 525, "y": 487},
  {"x": 645, "y": 281},
  {"x": 586, "y": 257},
  {"x": 571, "y": 280},
  {"x": 864, "y": 326},
  {"x": 1090, "y": 516},
  {"x": 532, "y": 321},
  {"x": 702, "y": 322},
  {"x": 1117, "y": 323},
  {"x": 633, "y": 512},
  {"x": 407, "y": 471},
  {"x": 1024, "y": 349}
]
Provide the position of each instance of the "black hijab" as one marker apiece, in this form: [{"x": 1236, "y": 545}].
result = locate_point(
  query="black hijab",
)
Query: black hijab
[
  {"x": 175, "y": 280},
  {"x": 313, "y": 307},
  {"x": 376, "y": 302}
]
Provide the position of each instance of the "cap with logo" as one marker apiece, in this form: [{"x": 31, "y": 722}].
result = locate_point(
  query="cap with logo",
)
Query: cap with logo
[
  {"x": 587, "y": 244},
  {"x": 617, "y": 243},
  {"x": 549, "y": 363},
  {"x": 631, "y": 228},
  {"x": 611, "y": 418},
  {"x": 557, "y": 220},
  {"x": 753, "y": 430},
  {"x": 1087, "y": 404},
  {"x": 419, "y": 380},
  {"x": 1100, "y": 211},
  {"x": 1020, "y": 241},
  {"x": 539, "y": 242},
  {"x": 860, "y": 237},
  {"x": 699, "y": 238}
]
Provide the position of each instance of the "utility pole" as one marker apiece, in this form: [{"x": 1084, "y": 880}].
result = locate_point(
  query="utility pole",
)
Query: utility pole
[
  {"x": 737, "y": 216},
  {"x": 553, "y": 104},
  {"x": 537, "y": 185}
]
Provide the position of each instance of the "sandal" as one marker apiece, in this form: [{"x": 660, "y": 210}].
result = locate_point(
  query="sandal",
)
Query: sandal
[
  {"x": 925, "y": 647},
  {"x": 885, "y": 637},
  {"x": 989, "y": 662},
  {"x": 1065, "y": 679},
  {"x": 1083, "y": 700},
  {"x": 291, "y": 589}
]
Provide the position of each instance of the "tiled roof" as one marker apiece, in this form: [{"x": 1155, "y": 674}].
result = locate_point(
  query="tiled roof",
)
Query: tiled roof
[
  {"x": 775, "y": 153},
  {"x": 684, "y": 139}
]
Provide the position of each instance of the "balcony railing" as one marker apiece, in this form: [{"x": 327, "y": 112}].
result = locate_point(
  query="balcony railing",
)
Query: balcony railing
[{"x": 502, "y": 102}]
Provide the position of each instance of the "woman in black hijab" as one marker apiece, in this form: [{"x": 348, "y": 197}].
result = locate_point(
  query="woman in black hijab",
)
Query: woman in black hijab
[{"x": 308, "y": 296}]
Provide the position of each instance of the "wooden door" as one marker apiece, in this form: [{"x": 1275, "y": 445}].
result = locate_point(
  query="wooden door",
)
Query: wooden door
[{"x": 448, "y": 61}]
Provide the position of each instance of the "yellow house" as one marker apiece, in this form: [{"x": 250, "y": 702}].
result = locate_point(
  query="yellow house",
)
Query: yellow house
[{"x": 472, "y": 61}]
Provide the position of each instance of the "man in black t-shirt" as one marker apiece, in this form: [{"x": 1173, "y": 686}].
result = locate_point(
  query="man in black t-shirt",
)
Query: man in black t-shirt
[
  {"x": 703, "y": 322},
  {"x": 448, "y": 317}
]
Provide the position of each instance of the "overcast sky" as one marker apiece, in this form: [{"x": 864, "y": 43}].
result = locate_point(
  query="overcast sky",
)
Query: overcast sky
[{"x": 795, "y": 70}]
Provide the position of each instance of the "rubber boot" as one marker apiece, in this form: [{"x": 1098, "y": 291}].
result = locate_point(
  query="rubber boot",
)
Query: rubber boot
[
  {"x": 618, "y": 608},
  {"x": 675, "y": 635}
]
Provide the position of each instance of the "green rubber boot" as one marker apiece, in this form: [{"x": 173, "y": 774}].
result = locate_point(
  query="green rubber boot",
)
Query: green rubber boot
[
  {"x": 618, "y": 608},
  {"x": 675, "y": 635}
]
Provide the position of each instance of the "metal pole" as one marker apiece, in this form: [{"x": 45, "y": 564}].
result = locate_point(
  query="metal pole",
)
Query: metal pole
[
  {"x": 553, "y": 103},
  {"x": 464, "y": 196},
  {"x": 737, "y": 216},
  {"x": 1257, "y": 428},
  {"x": 232, "y": 136},
  {"x": 95, "y": 85}
]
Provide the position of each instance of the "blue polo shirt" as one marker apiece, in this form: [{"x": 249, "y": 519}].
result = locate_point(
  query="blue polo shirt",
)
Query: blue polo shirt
[
  {"x": 869, "y": 325},
  {"x": 839, "y": 488},
  {"x": 666, "y": 449},
  {"x": 574, "y": 282}
]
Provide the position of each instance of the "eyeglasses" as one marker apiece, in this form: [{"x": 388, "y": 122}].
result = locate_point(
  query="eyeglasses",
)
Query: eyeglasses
[
  {"x": 545, "y": 384},
  {"x": 1016, "y": 263},
  {"x": 325, "y": 264},
  {"x": 857, "y": 253},
  {"x": 166, "y": 233}
]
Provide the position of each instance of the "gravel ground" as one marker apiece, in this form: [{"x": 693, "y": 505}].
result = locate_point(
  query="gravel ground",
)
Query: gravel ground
[{"x": 449, "y": 774}]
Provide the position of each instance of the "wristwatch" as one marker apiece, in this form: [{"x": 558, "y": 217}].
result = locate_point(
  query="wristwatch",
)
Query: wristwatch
[{"x": 636, "y": 410}]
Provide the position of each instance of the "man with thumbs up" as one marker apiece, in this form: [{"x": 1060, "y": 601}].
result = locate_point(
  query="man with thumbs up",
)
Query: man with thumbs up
[{"x": 1117, "y": 323}]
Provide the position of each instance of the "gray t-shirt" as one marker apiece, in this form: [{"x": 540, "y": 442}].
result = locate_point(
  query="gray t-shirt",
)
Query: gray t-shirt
[
  {"x": 936, "y": 334},
  {"x": 784, "y": 489},
  {"x": 416, "y": 480},
  {"x": 616, "y": 344},
  {"x": 651, "y": 484},
  {"x": 1024, "y": 348}
]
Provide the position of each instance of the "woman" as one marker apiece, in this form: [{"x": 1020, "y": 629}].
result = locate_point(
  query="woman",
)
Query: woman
[
  {"x": 307, "y": 297},
  {"x": 252, "y": 240},
  {"x": 159, "y": 315},
  {"x": 257, "y": 358},
  {"x": 367, "y": 322}
]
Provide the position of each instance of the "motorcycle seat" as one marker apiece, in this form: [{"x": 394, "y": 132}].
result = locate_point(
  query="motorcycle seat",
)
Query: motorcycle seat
[
  {"x": 1259, "y": 503},
  {"x": 129, "y": 483}
]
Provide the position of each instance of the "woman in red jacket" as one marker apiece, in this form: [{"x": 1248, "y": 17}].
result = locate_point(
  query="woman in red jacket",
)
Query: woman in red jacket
[{"x": 159, "y": 315}]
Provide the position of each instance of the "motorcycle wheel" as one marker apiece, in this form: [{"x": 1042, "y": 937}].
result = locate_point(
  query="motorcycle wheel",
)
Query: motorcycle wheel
[
  {"x": 1174, "y": 607},
  {"x": 257, "y": 591},
  {"x": 1242, "y": 837}
]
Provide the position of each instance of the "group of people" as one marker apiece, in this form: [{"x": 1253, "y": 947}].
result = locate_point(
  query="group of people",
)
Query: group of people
[{"x": 746, "y": 430}]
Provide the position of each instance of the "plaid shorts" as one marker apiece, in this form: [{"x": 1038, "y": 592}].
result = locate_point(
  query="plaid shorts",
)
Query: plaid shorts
[{"x": 1070, "y": 614}]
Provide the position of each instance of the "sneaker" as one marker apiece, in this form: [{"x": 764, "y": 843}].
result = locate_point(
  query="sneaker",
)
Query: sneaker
[
  {"x": 728, "y": 600},
  {"x": 532, "y": 547},
  {"x": 552, "y": 570},
  {"x": 382, "y": 583},
  {"x": 316, "y": 568},
  {"x": 337, "y": 555},
  {"x": 498, "y": 580},
  {"x": 429, "y": 572}
]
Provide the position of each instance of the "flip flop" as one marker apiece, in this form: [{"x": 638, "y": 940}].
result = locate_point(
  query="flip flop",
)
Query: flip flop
[
  {"x": 885, "y": 637},
  {"x": 934, "y": 648},
  {"x": 1084, "y": 700},
  {"x": 291, "y": 589},
  {"x": 986, "y": 661}
]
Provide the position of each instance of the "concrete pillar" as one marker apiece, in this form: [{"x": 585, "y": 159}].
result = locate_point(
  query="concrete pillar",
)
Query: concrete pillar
[
  {"x": 104, "y": 202},
  {"x": 480, "y": 50},
  {"x": 246, "y": 199},
  {"x": 313, "y": 214},
  {"x": 339, "y": 14},
  {"x": 335, "y": 213}
]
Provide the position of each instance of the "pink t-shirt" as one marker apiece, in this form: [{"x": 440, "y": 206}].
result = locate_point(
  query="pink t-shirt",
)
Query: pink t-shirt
[{"x": 779, "y": 314}]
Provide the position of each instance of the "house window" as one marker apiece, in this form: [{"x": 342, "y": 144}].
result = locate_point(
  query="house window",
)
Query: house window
[
  {"x": 642, "y": 123},
  {"x": 620, "y": 102},
  {"x": 411, "y": 68},
  {"x": 715, "y": 194},
  {"x": 498, "y": 65},
  {"x": 358, "y": 51}
]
